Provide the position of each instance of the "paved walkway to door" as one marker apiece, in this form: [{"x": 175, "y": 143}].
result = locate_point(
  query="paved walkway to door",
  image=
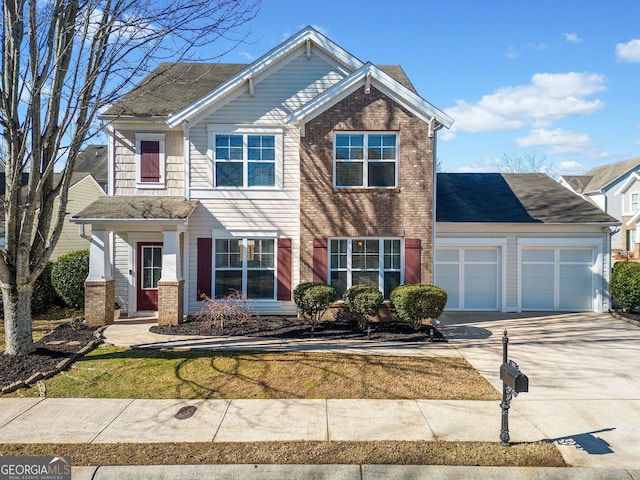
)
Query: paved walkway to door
[{"x": 584, "y": 377}]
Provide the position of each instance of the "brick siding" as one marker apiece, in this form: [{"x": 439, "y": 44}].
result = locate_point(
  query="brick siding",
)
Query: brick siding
[{"x": 405, "y": 211}]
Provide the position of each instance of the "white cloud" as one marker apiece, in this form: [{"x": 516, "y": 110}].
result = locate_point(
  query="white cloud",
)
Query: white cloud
[
  {"x": 629, "y": 52},
  {"x": 486, "y": 165},
  {"x": 549, "y": 97},
  {"x": 515, "y": 52},
  {"x": 572, "y": 38},
  {"x": 248, "y": 56},
  {"x": 558, "y": 141},
  {"x": 570, "y": 168}
]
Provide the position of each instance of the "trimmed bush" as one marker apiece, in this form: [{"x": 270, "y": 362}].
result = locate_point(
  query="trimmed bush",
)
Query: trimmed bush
[
  {"x": 363, "y": 301},
  {"x": 43, "y": 296},
  {"x": 68, "y": 276},
  {"x": 416, "y": 302},
  {"x": 625, "y": 285},
  {"x": 313, "y": 299}
]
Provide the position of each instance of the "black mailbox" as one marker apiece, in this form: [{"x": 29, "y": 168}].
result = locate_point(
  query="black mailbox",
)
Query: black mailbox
[{"x": 514, "y": 378}]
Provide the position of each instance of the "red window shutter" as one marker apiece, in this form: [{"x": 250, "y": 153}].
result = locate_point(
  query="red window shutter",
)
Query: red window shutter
[
  {"x": 149, "y": 161},
  {"x": 412, "y": 249},
  {"x": 204, "y": 267},
  {"x": 284, "y": 269},
  {"x": 320, "y": 260}
]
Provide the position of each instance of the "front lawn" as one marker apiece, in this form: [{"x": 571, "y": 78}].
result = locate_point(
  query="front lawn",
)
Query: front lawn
[{"x": 117, "y": 372}]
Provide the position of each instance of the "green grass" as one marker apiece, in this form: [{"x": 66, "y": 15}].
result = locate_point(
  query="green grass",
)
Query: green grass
[{"x": 115, "y": 372}]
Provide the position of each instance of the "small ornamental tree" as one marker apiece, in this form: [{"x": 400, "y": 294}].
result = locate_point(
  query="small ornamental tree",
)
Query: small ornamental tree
[
  {"x": 363, "y": 301},
  {"x": 68, "y": 275},
  {"x": 625, "y": 285},
  {"x": 313, "y": 299},
  {"x": 416, "y": 302}
]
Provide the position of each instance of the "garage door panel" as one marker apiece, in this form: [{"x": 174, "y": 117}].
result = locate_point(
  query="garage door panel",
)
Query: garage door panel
[
  {"x": 557, "y": 279},
  {"x": 449, "y": 280}
]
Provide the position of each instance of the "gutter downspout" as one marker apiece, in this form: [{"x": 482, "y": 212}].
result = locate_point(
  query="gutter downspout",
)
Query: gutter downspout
[{"x": 433, "y": 129}]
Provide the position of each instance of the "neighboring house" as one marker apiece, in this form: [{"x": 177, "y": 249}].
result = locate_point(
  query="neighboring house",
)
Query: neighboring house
[
  {"x": 614, "y": 189},
  {"x": 514, "y": 242},
  {"x": 305, "y": 165},
  {"x": 93, "y": 159},
  {"x": 83, "y": 191}
]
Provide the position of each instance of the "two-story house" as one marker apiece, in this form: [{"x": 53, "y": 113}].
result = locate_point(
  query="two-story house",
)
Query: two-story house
[
  {"x": 309, "y": 164},
  {"x": 614, "y": 188}
]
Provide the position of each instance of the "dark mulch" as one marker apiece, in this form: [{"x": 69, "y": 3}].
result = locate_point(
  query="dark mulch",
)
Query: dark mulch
[
  {"x": 292, "y": 327},
  {"x": 61, "y": 343}
]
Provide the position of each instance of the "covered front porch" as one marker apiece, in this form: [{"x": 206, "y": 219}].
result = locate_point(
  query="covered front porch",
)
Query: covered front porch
[{"x": 137, "y": 251}]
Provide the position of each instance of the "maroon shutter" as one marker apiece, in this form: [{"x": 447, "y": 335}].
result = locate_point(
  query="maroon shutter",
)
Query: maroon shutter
[
  {"x": 204, "y": 267},
  {"x": 412, "y": 250},
  {"x": 149, "y": 161},
  {"x": 284, "y": 269},
  {"x": 320, "y": 260}
]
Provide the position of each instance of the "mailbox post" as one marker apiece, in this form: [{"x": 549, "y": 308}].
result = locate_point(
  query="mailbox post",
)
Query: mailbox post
[{"x": 513, "y": 382}]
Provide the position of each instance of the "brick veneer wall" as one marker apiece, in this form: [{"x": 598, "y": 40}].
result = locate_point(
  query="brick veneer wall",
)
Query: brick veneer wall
[
  {"x": 99, "y": 298},
  {"x": 170, "y": 302},
  {"x": 405, "y": 211}
]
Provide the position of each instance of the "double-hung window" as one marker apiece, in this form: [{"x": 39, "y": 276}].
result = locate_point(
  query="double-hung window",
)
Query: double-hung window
[
  {"x": 635, "y": 201},
  {"x": 150, "y": 160},
  {"x": 245, "y": 265},
  {"x": 246, "y": 158},
  {"x": 365, "y": 261},
  {"x": 368, "y": 160}
]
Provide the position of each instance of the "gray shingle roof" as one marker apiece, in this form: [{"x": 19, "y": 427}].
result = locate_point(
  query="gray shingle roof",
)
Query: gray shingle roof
[
  {"x": 93, "y": 160},
  {"x": 511, "y": 198},
  {"x": 173, "y": 86},
  {"x": 600, "y": 177},
  {"x": 138, "y": 207}
]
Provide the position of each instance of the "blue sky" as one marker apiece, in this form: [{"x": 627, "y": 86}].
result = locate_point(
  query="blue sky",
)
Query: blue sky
[{"x": 558, "y": 79}]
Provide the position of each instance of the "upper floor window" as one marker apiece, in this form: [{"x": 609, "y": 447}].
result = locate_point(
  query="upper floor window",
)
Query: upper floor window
[
  {"x": 635, "y": 201},
  {"x": 367, "y": 160},
  {"x": 246, "y": 158},
  {"x": 150, "y": 160}
]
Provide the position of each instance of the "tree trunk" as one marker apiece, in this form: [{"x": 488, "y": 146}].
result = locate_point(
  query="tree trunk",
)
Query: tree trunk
[{"x": 17, "y": 320}]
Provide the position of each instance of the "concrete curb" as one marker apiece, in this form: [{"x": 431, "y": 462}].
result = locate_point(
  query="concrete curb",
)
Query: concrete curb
[
  {"x": 624, "y": 319},
  {"x": 345, "y": 472}
]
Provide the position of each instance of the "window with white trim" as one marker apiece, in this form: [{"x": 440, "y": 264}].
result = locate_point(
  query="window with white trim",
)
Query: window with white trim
[
  {"x": 150, "y": 160},
  {"x": 365, "y": 261},
  {"x": 245, "y": 265},
  {"x": 635, "y": 201},
  {"x": 368, "y": 160},
  {"x": 246, "y": 158}
]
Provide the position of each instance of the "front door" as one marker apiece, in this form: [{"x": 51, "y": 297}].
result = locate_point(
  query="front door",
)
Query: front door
[{"x": 149, "y": 272}]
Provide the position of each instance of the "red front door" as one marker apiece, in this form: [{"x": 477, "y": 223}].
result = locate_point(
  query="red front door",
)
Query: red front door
[{"x": 149, "y": 272}]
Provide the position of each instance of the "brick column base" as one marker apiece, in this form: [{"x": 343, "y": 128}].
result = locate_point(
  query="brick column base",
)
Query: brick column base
[
  {"x": 99, "y": 298},
  {"x": 170, "y": 302}
]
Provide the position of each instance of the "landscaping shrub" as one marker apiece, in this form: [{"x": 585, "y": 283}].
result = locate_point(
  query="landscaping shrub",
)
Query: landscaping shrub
[
  {"x": 68, "y": 275},
  {"x": 44, "y": 295},
  {"x": 313, "y": 299},
  {"x": 234, "y": 309},
  {"x": 362, "y": 301},
  {"x": 416, "y": 302},
  {"x": 625, "y": 285}
]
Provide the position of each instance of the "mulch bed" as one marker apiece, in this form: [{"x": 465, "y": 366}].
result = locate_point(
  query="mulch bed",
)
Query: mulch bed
[
  {"x": 292, "y": 327},
  {"x": 54, "y": 352}
]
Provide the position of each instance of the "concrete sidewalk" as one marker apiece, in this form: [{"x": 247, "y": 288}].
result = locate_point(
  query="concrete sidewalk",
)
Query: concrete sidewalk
[{"x": 103, "y": 420}]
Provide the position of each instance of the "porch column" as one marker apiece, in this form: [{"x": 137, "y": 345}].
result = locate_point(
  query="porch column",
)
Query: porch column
[
  {"x": 99, "y": 287},
  {"x": 171, "y": 283}
]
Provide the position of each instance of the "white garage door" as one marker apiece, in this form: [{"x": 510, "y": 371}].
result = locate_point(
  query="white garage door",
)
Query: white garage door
[
  {"x": 559, "y": 279},
  {"x": 470, "y": 276}
]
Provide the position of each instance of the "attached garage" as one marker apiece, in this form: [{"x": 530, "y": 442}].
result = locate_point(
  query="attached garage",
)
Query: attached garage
[
  {"x": 471, "y": 275},
  {"x": 519, "y": 242}
]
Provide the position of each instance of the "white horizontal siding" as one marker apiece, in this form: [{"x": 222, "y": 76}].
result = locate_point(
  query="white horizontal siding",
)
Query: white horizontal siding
[
  {"x": 241, "y": 215},
  {"x": 121, "y": 268},
  {"x": 125, "y": 168}
]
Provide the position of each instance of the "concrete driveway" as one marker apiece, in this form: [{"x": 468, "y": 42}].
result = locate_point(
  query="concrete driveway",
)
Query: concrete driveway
[{"x": 584, "y": 377}]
